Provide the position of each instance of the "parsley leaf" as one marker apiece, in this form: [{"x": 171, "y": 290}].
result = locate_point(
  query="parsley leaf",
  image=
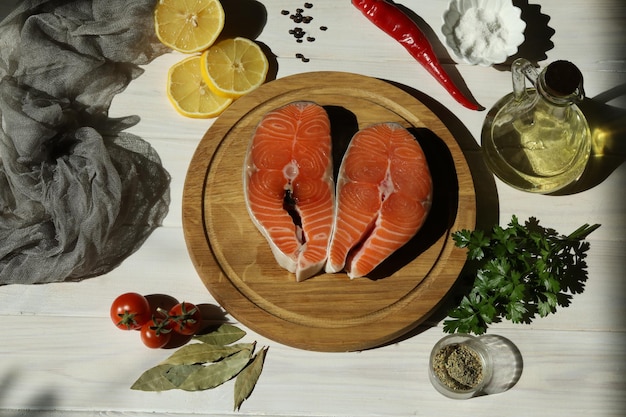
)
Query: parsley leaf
[{"x": 522, "y": 270}]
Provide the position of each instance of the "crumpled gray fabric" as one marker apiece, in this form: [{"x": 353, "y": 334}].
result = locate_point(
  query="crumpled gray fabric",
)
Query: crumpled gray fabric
[{"x": 78, "y": 194}]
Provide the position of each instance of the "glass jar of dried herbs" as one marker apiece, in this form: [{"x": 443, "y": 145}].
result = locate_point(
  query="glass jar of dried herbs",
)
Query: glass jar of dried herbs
[{"x": 460, "y": 366}]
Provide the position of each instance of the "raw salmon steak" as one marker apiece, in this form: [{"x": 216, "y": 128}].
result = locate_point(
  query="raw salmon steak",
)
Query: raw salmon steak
[
  {"x": 289, "y": 186},
  {"x": 384, "y": 193}
]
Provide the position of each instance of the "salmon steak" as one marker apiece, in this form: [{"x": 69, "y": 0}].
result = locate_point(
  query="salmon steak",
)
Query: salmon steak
[
  {"x": 383, "y": 196},
  {"x": 289, "y": 186}
]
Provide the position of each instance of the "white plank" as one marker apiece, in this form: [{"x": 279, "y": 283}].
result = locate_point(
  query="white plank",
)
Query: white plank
[{"x": 388, "y": 381}]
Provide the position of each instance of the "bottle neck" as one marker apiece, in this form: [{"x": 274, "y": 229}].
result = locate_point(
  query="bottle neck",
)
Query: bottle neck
[
  {"x": 554, "y": 98},
  {"x": 561, "y": 83}
]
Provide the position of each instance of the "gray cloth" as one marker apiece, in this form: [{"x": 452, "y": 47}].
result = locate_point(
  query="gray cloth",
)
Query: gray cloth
[{"x": 78, "y": 194}]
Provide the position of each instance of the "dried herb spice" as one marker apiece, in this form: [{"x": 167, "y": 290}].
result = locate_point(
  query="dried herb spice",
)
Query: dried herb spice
[
  {"x": 247, "y": 378},
  {"x": 458, "y": 367},
  {"x": 207, "y": 364}
]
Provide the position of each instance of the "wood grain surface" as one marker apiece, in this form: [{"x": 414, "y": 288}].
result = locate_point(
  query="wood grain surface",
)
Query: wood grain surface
[{"x": 328, "y": 312}]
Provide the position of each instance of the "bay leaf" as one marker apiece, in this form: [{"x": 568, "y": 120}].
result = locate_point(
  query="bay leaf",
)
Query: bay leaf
[
  {"x": 223, "y": 335},
  {"x": 179, "y": 373},
  {"x": 246, "y": 346},
  {"x": 200, "y": 353},
  {"x": 154, "y": 380},
  {"x": 248, "y": 377},
  {"x": 216, "y": 374}
]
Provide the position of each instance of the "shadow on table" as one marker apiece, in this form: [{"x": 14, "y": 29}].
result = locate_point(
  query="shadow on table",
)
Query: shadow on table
[
  {"x": 45, "y": 400},
  {"x": 537, "y": 36},
  {"x": 507, "y": 363},
  {"x": 247, "y": 18},
  {"x": 608, "y": 139}
]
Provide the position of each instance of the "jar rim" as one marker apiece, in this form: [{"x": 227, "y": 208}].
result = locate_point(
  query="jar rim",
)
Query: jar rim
[{"x": 473, "y": 343}]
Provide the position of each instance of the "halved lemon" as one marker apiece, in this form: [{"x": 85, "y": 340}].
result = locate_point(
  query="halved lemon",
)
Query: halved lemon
[
  {"x": 188, "y": 92},
  {"x": 188, "y": 26},
  {"x": 234, "y": 67}
]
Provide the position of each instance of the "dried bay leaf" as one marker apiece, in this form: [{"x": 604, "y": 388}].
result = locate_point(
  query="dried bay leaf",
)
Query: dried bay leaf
[
  {"x": 223, "y": 335},
  {"x": 248, "y": 377},
  {"x": 164, "y": 377},
  {"x": 246, "y": 346},
  {"x": 201, "y": 353},
  {"x": 154, "y": 379},
  {"x": 206, "y": 365},
  {"x": 214, "y": 375},
  {"x": 179, "y": 373}
]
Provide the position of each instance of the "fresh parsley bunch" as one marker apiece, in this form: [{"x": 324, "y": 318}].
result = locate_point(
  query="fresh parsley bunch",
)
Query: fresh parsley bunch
[{"x": 521, "y": 271}]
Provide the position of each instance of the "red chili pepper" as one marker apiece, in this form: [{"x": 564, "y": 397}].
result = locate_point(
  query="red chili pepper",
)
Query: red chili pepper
[{"x": 388, "y": 17}]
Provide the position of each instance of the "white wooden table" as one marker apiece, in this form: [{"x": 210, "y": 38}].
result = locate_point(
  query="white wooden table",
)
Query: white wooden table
[{"x": 61, "y": 356}]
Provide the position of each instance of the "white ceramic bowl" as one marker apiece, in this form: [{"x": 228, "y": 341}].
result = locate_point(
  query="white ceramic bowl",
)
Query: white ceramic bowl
[{"x": 483, "y": 32}]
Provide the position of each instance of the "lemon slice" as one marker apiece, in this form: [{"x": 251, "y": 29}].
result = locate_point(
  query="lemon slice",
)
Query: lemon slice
[
  {"x": 234, "y": 67},
  {"x": 188, "y": 26},
  {"x": 188, "y": 92}
]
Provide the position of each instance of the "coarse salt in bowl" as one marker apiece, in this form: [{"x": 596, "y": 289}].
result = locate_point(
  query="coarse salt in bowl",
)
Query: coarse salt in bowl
[{"x": 483, "y": 32}]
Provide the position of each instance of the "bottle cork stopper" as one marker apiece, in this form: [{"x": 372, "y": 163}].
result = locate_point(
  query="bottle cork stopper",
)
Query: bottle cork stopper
[{"x": 563, "y": 78}]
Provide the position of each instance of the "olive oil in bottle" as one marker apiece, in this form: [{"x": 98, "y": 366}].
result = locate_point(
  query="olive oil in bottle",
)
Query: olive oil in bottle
[{"x": 537, "y": 139}]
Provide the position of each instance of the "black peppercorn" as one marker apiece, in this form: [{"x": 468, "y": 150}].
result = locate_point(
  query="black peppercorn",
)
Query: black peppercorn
[{"x": 298, "y": 33}]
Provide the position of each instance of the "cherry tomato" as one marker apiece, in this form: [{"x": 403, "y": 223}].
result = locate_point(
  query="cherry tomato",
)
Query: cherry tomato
[
  {"x": 130, "y": 311},
  {"x": 155, "y": 333},
  {"x": 185, "y": 318}
]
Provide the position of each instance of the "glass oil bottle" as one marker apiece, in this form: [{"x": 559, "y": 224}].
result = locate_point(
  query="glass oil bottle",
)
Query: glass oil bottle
[{"x": 536, "y": 139}]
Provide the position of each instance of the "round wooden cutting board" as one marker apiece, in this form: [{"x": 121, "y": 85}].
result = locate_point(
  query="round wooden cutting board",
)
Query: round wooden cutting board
[{"x": 328, "y": 312}]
